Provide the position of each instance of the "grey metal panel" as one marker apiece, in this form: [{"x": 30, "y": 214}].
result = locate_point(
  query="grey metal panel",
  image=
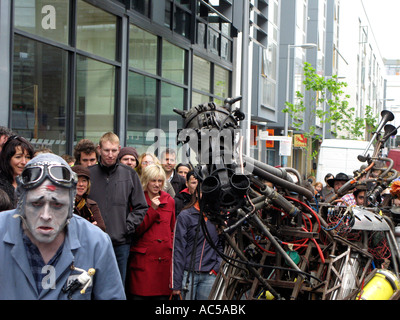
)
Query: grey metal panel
[
  {"x": 366, "y": 220},
  {"x": 5, "y": 72},
  {"x": 255, "y": 88},
  {"x": 286, "y": 36},
  {"x": 237, "y": 14},
  {"x": 158, "y": 12},
  {"x": 329, "y": 37},
  {"x": 122, "y": 107}
]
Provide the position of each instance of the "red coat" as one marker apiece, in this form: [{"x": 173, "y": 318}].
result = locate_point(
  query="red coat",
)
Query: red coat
[{"x": 151, "y": 254}]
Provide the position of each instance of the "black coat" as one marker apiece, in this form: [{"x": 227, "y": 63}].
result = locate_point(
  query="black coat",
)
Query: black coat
[
  {"x": 9, "y": 189},
  {"x": 178, "y": 182},
  {"x": 120, "y": 197},
  {"x": 181, "y": 200}
]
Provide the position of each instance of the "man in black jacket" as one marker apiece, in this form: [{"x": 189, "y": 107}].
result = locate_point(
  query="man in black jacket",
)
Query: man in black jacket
[
  {"x": 168, "y": 162},
  {"x": 118, "y": 192}
]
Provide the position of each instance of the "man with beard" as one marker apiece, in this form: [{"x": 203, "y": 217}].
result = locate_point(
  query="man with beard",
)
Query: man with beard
[{"x": 44, "y": 247}]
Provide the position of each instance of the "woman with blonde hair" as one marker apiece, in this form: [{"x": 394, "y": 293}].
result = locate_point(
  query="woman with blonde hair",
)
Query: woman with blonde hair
[
  {"x": 149, "y": 267},
  {"x": 147, "y": 159}
]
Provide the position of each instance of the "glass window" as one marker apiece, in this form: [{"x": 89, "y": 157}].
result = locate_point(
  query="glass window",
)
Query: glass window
[
  {"x": 213, "y": 39},
  {"x": 221, "y": 82},
  {"x": 142, "y": 114},
  {"x": 198, "y": 98},
  {"x": 173, "y": 62},
  {"x": 171, "y": 97},
  {"x": 142, "y": 50},
  {"x": 95, "y": 94},
  {"x": 185, "y": 3},
  {"x": 226, "y": 29},
  {"x": 268, "y": 94},
  {"x": 201, "y": 74},
  {"x": 226, "y": 48},
  {"x": 168, "y": 13},
  {"x": 142, "y": 6},
  {"x": 96, "y": 31},
  {"x": 201, "y": 34},
  {"x": 269, "y": 61},
  {"x": 39, "y": 93},
  {"x": 45, "y": 18},
  {"x": 182, "y": 23}
]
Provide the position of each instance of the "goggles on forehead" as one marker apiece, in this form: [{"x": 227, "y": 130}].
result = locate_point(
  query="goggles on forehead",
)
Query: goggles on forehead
[{"x": 34, "y": 174}]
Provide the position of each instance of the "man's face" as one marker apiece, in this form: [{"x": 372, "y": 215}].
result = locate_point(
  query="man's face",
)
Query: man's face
[
  {"x": 360, "y": 198},
  {"x": 129, "y": 160},
  {"x": 88, "y": 159},
  {"x": 337, "y": 185},
  {"x": 109, "y": 152},
  {"x": 46, "y": 211},
  {"x": 168, "y": 162}
]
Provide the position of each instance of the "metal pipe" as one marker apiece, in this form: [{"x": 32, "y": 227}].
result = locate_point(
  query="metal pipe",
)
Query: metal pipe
[
  {"x": 271, "y": 238},
  {"x": 283, "y": 183},
  {"x": 252, "y": 269}
]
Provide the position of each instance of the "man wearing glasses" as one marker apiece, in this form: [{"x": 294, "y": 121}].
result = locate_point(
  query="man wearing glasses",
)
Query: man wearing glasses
[{"x": 46, "y": 252}]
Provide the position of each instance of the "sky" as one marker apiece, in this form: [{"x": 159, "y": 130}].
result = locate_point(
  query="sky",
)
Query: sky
[{"x": 383, "y": 16}]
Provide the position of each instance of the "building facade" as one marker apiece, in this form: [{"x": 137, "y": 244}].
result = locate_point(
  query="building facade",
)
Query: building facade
[
  {"x": 77, "y": 69},
  {"x": 361, "y": 64},
  {"x": 74, "y": 69},
  {"x": 391, "y": 98}
]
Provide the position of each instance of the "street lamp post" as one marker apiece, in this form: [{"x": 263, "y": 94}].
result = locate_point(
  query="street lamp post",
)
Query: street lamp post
[{"x": 290, "y": 46}]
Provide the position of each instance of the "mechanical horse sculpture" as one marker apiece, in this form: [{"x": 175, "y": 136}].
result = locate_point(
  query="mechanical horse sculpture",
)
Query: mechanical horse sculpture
[{"x": 278, "y": 243}]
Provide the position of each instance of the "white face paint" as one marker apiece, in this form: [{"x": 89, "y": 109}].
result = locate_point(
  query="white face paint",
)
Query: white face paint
[{"x": 46, "y": 211}]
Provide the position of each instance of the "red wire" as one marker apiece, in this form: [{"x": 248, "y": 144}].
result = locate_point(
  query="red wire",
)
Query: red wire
[
  {"x": 304, "y": 221},
  {"x": 309, "y": 208},
  {"x": 257, "y": 244},
  {"x": 306, "y": 239},
  {"x": 321, "y": 255}
]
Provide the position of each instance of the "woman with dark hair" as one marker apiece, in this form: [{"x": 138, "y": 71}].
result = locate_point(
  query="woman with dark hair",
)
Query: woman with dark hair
[
  {"x": 15, "y": 154},
  {"x": 195, "y": 261},
  {"x": 183, "y": 169}
]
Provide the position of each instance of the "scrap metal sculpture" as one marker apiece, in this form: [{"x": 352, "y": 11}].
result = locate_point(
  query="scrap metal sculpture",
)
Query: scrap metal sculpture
[{"x": 277, "y": 245}]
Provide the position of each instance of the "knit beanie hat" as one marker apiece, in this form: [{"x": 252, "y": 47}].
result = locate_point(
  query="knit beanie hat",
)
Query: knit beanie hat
[{"x": 129, "y": 150}]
